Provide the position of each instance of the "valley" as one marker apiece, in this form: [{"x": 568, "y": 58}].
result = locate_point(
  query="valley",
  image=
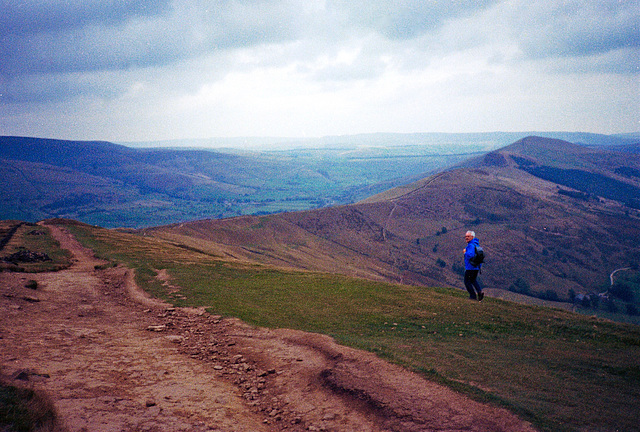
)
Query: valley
[
  {"x": 145, "y": 185},
  {"x": 116, "y": 186}
]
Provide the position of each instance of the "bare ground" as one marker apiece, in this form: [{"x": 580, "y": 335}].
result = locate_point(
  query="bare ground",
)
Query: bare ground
[{"x": 112, "y": 359}]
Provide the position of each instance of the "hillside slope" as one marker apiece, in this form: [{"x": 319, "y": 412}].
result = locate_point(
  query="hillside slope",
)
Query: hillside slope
[
  {"x": 559, "y": 370},
  {"x": 194, "y": 371},
  {"x": 552, "y": 216}
]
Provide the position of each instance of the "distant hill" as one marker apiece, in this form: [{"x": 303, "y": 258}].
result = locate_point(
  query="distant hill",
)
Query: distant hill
[
  {"x": 109, "y": 184},
  {"x": 113, "y": 185},
  {"x": 610, "y": 173},
  {"x": 481, "y": 140},
  {"x": 555, "y": 219},
  {"x": 116, "y": 186}
]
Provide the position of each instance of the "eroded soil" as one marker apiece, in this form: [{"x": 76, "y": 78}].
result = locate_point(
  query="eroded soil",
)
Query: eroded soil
[{"x": 112, "y": 359}]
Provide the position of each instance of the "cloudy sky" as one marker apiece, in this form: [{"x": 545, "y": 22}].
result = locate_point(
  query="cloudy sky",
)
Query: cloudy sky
[{"x": 133, "y": 70}]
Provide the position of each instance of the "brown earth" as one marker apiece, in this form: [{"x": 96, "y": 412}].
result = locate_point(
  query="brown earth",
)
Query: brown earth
[{"x": 112, "y": 359}]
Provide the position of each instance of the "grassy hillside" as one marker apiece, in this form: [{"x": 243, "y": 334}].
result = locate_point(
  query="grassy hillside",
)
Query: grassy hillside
[
  {"x": 554, "y": 238},
  {"x": 562, "y": 371}
]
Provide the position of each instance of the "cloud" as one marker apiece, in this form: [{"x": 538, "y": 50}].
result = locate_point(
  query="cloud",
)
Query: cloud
[
  {"x": 38, "y": 16},
  {"x": 54, "y": 37},
  {"x": 117, "y": 35},
  {"x": 72, "y": 36},
  {"x": 404, "y": 19},
  {"x": 576, "y": 28},
  {"x": 199, "y": 67}
]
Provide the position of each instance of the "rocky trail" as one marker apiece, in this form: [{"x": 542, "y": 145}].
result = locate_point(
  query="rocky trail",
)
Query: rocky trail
[{"x": 112, "y": 359}]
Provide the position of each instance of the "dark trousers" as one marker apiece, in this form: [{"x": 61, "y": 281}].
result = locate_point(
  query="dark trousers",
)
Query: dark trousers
[{"x": 471, "y": 283}]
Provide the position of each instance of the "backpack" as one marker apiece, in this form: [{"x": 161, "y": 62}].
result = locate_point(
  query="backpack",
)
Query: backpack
[{"x": 478, "y": 258}]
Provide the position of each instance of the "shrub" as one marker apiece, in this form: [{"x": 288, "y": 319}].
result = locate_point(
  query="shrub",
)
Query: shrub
[
  {"x": 442, "y": 231},
  {"x": 520, "y": 286},
  {"x": 622, "y": 291},
  {"x": 549, "y": 295},
  {"x": 457, "y": 268},
  {"x": 25, "y": 410}
]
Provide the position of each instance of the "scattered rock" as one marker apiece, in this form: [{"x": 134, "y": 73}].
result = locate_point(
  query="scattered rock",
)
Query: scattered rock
[
  {"x": 21, "y": 376},
  {"x": 28, "y": 374},
  {"x": 154, "y": 411},
  {"x": 157, "y": 328},
  {"x": 27, "y": 256}
]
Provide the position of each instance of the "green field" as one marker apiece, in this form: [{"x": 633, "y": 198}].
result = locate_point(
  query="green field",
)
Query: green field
[{"x": 560, "y": 370}]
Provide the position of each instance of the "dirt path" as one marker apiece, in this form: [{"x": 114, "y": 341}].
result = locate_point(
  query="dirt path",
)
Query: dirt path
[
  {"x": 111, "y": 359},
  {"x": 613, "y": 273}
]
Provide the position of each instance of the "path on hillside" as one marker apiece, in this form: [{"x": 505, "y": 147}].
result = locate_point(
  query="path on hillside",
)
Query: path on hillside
[
  {"x": 613, "y": 273},
  {"x": 112, "y": 359}
]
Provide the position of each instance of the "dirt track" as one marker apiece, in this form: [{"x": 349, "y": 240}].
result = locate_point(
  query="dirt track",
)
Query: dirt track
[{"x": 112, "y": 359}]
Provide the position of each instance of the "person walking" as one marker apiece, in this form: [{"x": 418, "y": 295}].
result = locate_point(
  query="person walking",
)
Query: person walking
[{"x": 470, "y": 270}]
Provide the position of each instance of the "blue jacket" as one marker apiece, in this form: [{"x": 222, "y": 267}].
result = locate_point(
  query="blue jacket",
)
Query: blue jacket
[{"x": 469, "y": 252}]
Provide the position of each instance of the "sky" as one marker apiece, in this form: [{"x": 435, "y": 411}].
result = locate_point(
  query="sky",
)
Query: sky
[{"x": 133, "y": 70}]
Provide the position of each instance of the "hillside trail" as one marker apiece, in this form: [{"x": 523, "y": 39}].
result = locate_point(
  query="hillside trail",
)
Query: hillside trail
[{"x": 112, "y": 359}]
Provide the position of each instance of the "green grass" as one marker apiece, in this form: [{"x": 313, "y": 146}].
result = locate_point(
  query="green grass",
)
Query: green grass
[{"x": 559, "y": 370}]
